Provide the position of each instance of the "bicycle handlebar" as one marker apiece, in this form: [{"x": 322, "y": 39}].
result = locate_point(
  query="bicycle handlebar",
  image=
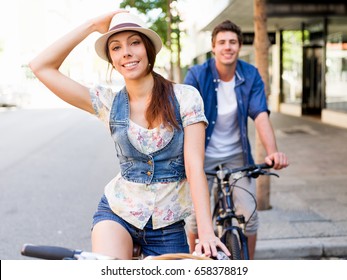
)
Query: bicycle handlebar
[
  {"x": 253, "y": 169},
  {"x": 48, "y": 252},
  {"x": 59, "y": 253},
  {"x": 62, "y": 253}
]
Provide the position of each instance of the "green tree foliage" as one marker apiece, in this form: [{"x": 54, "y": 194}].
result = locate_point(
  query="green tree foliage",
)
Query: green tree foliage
[
  {"x": 158, "y": 24},
  {"x": 292, "y": 49}
]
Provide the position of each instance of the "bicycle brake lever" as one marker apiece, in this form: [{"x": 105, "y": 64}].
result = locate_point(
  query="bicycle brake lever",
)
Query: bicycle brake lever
[
  {"x": 221, "y": 256},
  {"x": 271, "y": 173},
  {"x": 267, "y": 173}
]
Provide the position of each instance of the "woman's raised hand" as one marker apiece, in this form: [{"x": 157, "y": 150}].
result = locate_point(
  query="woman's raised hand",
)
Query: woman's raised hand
[{"x": 102, "y": 23}]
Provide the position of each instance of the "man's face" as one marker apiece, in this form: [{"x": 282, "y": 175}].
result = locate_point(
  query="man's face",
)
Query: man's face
[{"x": 226, "y": 48}]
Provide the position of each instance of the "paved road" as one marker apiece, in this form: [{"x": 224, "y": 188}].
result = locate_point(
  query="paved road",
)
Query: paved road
[{"x": 53, "y": 167}]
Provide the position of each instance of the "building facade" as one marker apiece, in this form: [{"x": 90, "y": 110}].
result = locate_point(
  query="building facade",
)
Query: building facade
[{"x": 308, "y": 53}]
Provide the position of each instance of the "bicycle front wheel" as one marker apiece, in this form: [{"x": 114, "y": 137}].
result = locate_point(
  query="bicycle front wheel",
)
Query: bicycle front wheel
[{"x": 232, "y": 242}]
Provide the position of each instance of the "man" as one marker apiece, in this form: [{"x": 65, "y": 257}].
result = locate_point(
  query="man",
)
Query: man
[{"x": 232, "y": 91}]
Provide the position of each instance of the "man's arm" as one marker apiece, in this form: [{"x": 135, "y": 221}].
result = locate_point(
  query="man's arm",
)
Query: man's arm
[{"x": 267, "y": 137}]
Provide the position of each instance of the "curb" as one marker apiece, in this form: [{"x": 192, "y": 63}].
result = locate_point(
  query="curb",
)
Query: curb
[{"x": 301, "y": 248}]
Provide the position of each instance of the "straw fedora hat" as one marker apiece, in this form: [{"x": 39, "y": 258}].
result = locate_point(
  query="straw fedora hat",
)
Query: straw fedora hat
[{"x": 126, "y": 22}]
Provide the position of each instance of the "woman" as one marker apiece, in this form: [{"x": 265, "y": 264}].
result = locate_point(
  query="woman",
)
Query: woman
[{"x": 158, "y": 130}]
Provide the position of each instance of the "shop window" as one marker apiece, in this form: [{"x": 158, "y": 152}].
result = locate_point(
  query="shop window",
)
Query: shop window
[
  {"x": 292, "y": 66},
  {"x": 336, "y": 75}
]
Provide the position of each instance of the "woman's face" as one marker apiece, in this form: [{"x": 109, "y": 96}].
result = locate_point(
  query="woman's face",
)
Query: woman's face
[{"x": 128, "y": 55}]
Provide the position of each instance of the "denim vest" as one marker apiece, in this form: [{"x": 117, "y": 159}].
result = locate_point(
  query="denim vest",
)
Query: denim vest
[{"x": 164, "y": 165}]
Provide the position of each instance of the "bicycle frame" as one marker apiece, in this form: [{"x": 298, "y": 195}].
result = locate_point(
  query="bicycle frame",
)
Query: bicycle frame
[
  {"x": 226, "y": 219},
  {"x": 231, "y": 227}
]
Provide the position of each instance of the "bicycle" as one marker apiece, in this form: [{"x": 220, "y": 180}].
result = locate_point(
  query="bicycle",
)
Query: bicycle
[
  {"x": 63, "y": 253},
  {"x": 229, "y": 227}
]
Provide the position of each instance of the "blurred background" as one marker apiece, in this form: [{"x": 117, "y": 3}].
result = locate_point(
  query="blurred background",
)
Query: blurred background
[
  {"x": 55, "y": 159},
  {"x": 307, "y": 51},
  {"x": 27, "y": 27}
]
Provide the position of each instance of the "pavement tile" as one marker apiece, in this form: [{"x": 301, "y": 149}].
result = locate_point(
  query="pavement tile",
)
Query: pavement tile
[{"x": 308, "y": 218}]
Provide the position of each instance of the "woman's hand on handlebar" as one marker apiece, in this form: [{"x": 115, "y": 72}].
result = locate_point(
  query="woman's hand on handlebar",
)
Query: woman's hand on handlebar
[{"x": 209, "y": 245}]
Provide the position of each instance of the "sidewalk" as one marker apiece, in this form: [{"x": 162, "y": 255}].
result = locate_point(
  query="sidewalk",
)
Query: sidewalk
[{"x": 308, "y": 218}]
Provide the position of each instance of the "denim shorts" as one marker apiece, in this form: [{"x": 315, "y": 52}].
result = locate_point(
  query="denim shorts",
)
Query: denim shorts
[{"x": 167, "y": 240}]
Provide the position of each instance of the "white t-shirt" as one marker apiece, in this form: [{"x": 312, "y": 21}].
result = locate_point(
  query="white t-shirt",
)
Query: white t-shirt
[{"x": 225, "y": 140}]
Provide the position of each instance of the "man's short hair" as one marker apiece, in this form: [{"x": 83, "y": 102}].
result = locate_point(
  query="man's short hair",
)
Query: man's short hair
[{"x": 227, "y": 25}]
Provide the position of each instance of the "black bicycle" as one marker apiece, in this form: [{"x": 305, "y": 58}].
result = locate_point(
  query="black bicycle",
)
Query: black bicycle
[{"x": 229, "y": 227}]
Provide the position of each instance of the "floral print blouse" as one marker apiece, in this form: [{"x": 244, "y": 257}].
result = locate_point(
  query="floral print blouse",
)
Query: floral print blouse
[{"x": 166, "y": 203}]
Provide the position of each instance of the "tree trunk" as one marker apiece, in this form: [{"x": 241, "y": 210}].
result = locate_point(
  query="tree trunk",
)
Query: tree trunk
[
  {"x": 261, "y": 44},
  {"x": 169, "y": 40},
  {"x": 179, "y": 73}
]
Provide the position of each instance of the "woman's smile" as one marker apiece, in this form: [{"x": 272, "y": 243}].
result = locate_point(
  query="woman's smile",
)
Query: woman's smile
[{"x": 130, "y": 64}]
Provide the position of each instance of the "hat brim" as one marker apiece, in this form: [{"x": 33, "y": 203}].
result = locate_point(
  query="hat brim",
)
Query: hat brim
[{"x": 100, "y": 44}]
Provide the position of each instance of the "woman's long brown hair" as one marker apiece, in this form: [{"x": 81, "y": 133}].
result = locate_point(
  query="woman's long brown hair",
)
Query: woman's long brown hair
[{"x": 162, "y": 105}]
